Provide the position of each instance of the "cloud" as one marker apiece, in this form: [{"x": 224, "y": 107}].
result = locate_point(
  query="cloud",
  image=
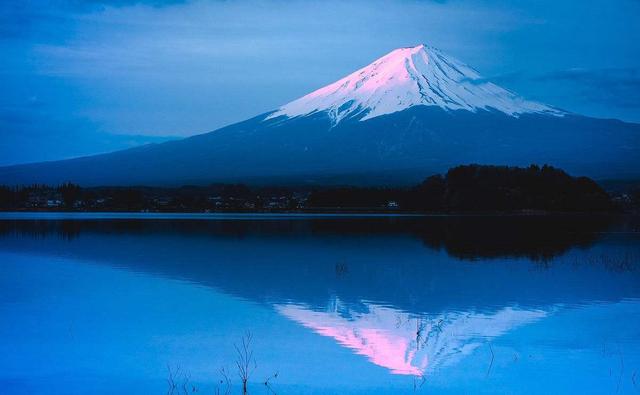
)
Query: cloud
[
  {"x": 28, "y": 18},
  {"x": 616, "y": 86},
  {"x": 83, "y": 4},
  {"x": 496, "y": 79}
]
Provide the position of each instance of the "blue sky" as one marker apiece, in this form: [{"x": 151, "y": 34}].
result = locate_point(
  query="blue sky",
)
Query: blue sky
[{"x": 83, "y": 70}]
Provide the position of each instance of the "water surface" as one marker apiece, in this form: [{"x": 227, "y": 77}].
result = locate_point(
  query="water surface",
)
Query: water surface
[{"x": 106, "y": 303}]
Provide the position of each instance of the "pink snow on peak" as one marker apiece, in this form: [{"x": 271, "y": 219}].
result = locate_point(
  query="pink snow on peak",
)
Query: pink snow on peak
[{"x": 407, "y": 77}]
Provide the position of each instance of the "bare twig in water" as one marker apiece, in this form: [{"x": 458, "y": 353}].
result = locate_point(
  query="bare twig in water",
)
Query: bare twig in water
[
  {"x": 419, "y": 328},
  {"x": 492, "y": 357},
  {"x": 187, "y": 387},
  {"x": 267, "y": 383},
  {"x": 417, "y": 384},
  {"x": 245, "y": 362},
  {"x": 179, "y": 382},
  {"x": 621, "y": 372},
  {"x": 438, "y": 327},
  {"x": 172, "y": 385},
  {"x": 341, "y": 269},
  {"x": 226, "y": 381}
]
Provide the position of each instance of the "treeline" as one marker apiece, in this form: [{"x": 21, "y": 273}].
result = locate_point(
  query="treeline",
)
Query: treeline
[
  {"x": 476, "y": 188},
  {"x": 19, "y": 197},
  {"x": 217, "y": 197},
  {"x": 472, "y": 188}
]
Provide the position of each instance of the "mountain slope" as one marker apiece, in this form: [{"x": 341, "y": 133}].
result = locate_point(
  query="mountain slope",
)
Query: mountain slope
[{"x": 357, "y": 131}]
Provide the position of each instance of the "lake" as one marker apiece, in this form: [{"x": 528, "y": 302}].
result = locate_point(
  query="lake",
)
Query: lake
[{"x": 332, "y": 304}]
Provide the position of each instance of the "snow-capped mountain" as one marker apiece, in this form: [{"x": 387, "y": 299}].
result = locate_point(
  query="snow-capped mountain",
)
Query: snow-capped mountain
[
  {"x": 408, "y": 77},
  {"x": 410, "y": 114}
]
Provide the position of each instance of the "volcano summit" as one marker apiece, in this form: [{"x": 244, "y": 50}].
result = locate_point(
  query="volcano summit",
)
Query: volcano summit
[{"x": 408, "y": 77}]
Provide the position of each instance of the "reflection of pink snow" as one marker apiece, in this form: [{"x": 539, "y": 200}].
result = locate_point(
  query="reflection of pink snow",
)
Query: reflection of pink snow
[
  {"x": 407, "y": 77},
  {"x": 381, "y": 348},
  {"x": 389, "y": 338}
]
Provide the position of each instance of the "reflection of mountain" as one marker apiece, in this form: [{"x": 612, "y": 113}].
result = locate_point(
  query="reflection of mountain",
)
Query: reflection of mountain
[
  {"x": 380, "y": 260},
  {"x": 406, "y": 344}
]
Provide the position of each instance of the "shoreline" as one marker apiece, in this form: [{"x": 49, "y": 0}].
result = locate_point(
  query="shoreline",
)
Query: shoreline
[{"x": 125, "y": 215}]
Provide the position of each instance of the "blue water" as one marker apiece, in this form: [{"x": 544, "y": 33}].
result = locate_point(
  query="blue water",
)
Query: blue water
[{"x": 106, "y": 303}]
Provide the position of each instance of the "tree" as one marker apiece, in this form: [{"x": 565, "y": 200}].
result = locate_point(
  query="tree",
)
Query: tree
[{"x": 70, "y": 193}]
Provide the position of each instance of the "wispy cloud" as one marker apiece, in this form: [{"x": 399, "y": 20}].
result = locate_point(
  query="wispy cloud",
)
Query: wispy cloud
[
  {"x": 615, "y": 86},
  {"x": 125, "y": 3},
  {"x": 497, "y": 79}
]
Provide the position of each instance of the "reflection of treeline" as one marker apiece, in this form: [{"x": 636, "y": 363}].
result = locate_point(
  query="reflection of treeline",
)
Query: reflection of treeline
[
  {"x": 537, "y": 237},
  {"x": 472, "y": 188}
]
